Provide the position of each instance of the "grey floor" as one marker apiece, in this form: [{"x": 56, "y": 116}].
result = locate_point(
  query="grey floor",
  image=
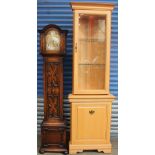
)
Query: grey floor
[{"x": 114, "y": 142}]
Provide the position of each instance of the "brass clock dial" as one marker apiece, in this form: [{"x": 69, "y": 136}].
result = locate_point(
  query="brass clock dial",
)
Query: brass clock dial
[{"x": 53, "y": 40}]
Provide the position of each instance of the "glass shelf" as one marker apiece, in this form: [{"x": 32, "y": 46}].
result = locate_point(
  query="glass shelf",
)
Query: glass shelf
[
  {"x": 91, "y": 76},
  {"x": 91, "y": 64},
  {"x": 92, "y": 40}
]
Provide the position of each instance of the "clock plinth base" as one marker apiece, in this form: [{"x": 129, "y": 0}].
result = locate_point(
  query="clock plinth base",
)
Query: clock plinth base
[
  {"x": 53, "y": 136},
  {"x": 75, "y": 148}
]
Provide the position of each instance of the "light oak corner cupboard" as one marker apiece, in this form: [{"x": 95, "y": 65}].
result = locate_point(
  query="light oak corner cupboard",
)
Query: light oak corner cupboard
[{"x": 91, "y": 101}]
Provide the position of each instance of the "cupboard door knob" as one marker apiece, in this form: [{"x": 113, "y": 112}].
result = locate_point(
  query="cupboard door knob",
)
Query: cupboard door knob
[{"x": 91, "y": 112}]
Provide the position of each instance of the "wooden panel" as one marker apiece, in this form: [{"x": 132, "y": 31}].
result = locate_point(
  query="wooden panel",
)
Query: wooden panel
[
  {"x": 91, "y": 123},
  {"x": 53, "y": 138},
  {"x": 53, "y": 87},
  {"x": 75, "y": 46}
]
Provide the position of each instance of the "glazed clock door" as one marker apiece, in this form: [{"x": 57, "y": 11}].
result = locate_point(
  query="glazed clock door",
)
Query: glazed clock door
[{"x": 92, "y": 53}]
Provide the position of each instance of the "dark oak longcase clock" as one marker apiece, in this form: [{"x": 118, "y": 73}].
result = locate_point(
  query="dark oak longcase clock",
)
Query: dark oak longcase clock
[{"x": 53, "y": 127}]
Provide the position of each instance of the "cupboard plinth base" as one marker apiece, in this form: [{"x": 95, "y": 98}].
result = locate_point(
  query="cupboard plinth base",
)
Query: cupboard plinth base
[{"x": 75, "y": 148}]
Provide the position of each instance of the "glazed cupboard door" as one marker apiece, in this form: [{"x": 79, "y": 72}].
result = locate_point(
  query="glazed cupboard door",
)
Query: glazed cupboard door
[{"x": 91, "y": 52}]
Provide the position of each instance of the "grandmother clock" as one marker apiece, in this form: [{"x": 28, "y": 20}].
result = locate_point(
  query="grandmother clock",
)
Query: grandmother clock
[
  {"x": 91, "y": 101},
  {"x": 53, "y": 128}
]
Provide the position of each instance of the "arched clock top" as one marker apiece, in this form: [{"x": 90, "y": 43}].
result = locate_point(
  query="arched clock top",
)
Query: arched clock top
[{"x": 52, "y": 40}]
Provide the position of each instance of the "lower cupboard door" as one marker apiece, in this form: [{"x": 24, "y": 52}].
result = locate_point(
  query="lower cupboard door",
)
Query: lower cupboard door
[{"x": 92, "y": 124}]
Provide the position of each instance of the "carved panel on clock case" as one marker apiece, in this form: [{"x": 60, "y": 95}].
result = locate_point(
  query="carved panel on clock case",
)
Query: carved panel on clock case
[{"x": 53, "y": 90}]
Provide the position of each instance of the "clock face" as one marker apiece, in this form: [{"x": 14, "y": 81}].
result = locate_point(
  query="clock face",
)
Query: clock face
[{"x": 53, "y": 40}]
